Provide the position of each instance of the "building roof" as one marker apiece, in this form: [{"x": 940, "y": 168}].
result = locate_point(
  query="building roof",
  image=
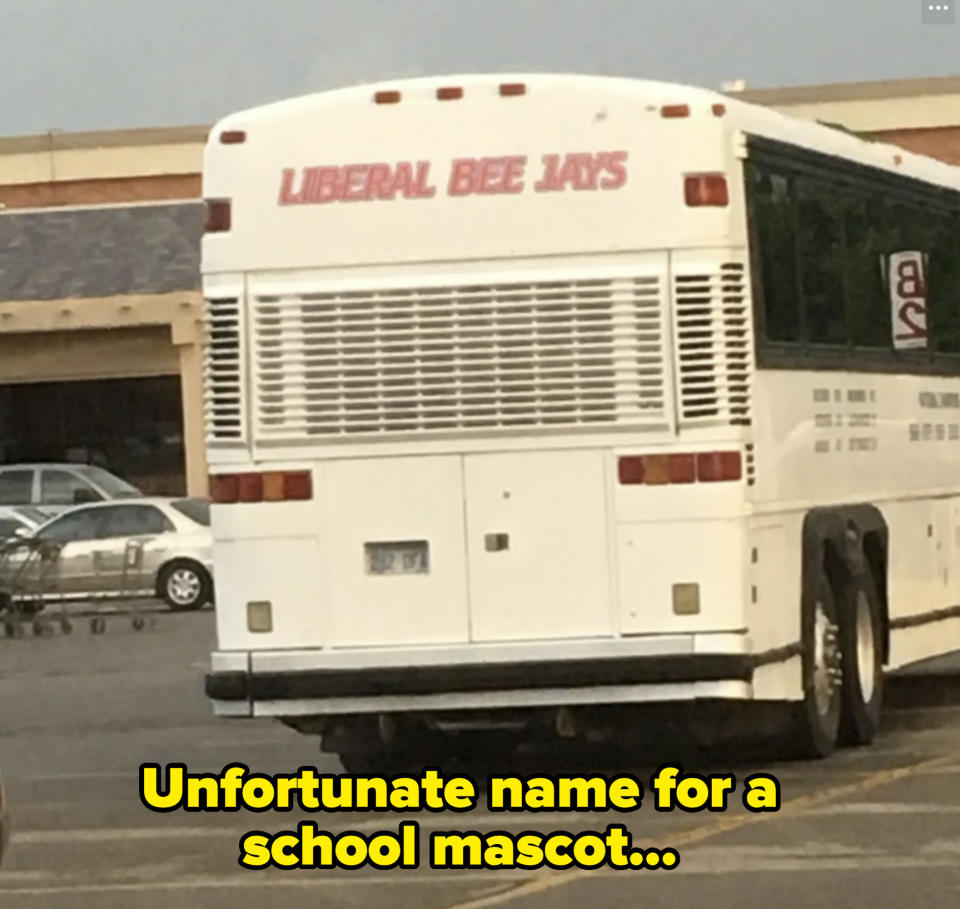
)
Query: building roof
[
  {"x": 100, "y": 252},
  {"x": 851, "y": 91},
  {"x": 56, "y": 140}
]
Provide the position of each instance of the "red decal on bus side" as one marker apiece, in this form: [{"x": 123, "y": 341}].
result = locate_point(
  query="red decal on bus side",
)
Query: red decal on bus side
[
  {"x": 354, "y": 183},
  {"x": 616, "y": 166},
  {"x": 378, "y": 182},
  {"x": 461, "y": 177},
  {"x": 287, "y": 180},
  {"x": 513, "y": 176}
]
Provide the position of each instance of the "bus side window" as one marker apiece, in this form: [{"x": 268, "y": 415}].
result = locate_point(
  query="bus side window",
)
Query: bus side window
[
  {"x": 868, "y": 307},
  {"x": 943, "y": 277},
  {"x": 776, "y": 242},
  {"x": 820, "y": 242}
]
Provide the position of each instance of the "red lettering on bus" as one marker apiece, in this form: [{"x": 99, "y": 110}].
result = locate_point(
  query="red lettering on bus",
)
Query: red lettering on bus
[
  {"x": 582, "y": 171},
  {"x": 287, "y": 180},
  {"x": 461, "y": 177},
  {"x": 513, "y": 174},
  {"x": 354, "y": 183},
  {"x": 378, "y": 182},
  {"x": 616, "y": 167}
]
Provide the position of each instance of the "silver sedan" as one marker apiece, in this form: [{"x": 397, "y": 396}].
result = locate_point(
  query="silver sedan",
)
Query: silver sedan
[{"x": 148, "y": 547}]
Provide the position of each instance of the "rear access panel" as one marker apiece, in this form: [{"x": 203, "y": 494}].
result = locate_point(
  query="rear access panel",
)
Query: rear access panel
[
  {"x": 537, "y": 546},
  {"x": 397, "y": 572}
]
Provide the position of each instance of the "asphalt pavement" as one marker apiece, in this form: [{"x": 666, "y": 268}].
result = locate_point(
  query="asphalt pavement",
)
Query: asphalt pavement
[{"x": 877, "y": 827}]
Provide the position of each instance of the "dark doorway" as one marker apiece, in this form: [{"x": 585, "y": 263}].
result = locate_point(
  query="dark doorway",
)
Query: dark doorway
[{"x": 132, "y": 427}]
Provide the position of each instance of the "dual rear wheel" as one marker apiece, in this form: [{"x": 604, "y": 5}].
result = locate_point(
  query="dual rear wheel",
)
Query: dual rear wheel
[{"x": 842, "y": 665}]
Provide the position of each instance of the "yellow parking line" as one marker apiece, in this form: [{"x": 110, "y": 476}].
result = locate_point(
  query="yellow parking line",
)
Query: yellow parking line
[{"x": 548, "y": 881}]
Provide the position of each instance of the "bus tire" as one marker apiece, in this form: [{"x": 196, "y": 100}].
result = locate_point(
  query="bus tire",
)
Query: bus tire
[
  {"x": 861, "y": 648},
  {"x": 816, "y": 725}
]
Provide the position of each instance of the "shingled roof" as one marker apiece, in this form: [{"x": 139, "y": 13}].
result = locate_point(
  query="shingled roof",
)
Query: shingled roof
[{"x": 100, "y": 252}]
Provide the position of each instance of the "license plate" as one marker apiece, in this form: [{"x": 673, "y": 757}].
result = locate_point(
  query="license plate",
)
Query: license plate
[{"x": 398, "y": 558}]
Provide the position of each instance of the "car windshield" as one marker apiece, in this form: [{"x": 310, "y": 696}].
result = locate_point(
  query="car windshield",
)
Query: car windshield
[
  {"x": 197, "y": 510},
  {"x": 114, "y": 487}
]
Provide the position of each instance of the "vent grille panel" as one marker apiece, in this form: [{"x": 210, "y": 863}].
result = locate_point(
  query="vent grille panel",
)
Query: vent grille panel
[
  {"x": 448, "y": 359},
  {"x": 713, "y": 347},
  {"x": 223, "y": 397}
]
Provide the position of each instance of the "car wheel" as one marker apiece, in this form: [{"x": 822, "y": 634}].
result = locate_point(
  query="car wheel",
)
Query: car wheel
[{"x": 185, "y": 586}]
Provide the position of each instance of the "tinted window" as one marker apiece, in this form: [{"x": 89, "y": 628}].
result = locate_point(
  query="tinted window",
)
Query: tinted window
[
  {"x": 132, "y": 521},
  {"x": 822, "y": 237},
  {"x": 867, "y": 304},
  {"x": 197, "y": 510},
  {"x": 77, "y": 525},
  {"x": 820, "y": 246},
  {"x": 58, "y": 487},
  {"x": 16, "y": 487},
  {"x": 773, "y": 216},
  {"x": 943, "y": 274}
]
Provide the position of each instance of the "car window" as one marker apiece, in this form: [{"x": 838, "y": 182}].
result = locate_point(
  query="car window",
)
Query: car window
[
  {"x": 197, "y": 510},
  {"x": 59, "y": 487},
  {"x": 81, "y": 524},
  {"x": 132, "y": 521},
  {"x": 113, "y": 486},
  {"x": 16, "y": 487},
  {"x": 8, "y": 527}
]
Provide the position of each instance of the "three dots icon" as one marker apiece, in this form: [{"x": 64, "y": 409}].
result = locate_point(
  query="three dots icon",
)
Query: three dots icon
[{"x": 938, "y": 12}]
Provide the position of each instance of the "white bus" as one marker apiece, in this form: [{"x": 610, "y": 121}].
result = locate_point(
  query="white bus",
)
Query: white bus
[{"x": 534, "y": 400}]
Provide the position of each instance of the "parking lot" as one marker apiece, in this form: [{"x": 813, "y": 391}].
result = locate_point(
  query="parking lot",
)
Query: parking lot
[{"x": 877, "y": 827}]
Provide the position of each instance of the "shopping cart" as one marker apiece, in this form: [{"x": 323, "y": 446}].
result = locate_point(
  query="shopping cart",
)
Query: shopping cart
[
  {"x": 31, "y": 595},
  {"x": 29, "y": 574}
]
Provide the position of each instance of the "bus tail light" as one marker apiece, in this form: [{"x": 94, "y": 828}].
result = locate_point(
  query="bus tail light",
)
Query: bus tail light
[
  {"x": 706, "y": 189},
  {"x": 275, "y": 486},
  {"x": 718, "y": 466},
  {"x": 679, "y": 469},
  {"x": 218, "y": 216}
]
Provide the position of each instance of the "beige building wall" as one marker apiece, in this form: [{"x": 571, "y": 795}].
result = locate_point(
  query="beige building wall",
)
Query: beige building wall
[{"x": 113, "y": 338}]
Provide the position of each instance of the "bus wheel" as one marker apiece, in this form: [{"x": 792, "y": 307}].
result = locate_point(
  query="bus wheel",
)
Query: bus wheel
[
  {"x": 817, "y": 721},
  {"x": 861, "y": 648}
]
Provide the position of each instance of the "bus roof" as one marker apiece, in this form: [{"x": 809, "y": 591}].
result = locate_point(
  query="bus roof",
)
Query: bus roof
[{"x": 743, "y": 115}]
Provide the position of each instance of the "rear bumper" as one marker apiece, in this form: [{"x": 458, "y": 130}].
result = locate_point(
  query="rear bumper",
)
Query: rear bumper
[{"x": 337, "y": 689}]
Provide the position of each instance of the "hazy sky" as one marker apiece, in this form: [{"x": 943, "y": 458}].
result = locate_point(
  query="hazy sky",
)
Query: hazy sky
[{"x": 98, "y": 64}]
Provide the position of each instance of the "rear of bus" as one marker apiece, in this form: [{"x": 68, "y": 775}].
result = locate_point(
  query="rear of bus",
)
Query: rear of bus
[{"x": 478, "y": 401}]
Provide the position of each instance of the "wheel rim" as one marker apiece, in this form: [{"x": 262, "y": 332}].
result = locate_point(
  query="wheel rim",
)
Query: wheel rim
[
  {"x": 183, "y": 586},
  {"x": 826, "y": 661},
  {"x": 866, "y": 656}
]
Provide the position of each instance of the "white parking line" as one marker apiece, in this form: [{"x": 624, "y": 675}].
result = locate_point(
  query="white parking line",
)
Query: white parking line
[
  {"x": 332, "y": 823},
  {"x": 250, "y": 881}
]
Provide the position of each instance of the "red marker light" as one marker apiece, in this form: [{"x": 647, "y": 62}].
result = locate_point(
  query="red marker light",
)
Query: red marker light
[
  {"x": 451, "y": 93},
  {"x": 387, "y": 97},
  {"x": 219, "y": 216},
  {"x": 233, "y": 137},
  {"x": 706, "y": 189},
  {"x": 512, "y": 89},
  {"x": 672, "y": 111}
]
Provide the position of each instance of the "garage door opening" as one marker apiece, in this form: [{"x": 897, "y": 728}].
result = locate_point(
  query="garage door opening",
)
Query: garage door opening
[{"x": 132, "y": 427}]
